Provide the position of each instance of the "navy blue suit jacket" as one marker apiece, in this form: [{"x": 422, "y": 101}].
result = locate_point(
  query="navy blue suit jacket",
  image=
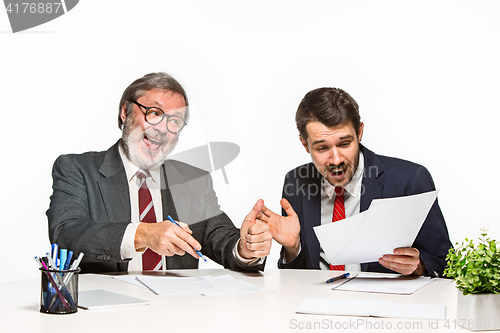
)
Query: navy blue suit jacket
[{"x": 384, "y": 177}]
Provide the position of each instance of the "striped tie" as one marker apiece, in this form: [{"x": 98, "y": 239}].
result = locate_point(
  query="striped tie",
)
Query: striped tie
[
  {"x": 338, "y": 214},
  {"x": 150, "y": 259}
]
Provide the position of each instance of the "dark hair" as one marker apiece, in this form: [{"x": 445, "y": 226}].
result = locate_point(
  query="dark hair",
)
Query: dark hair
[
  {"x": 329, "y": 106},
  {"x": 150, "y": 81}
]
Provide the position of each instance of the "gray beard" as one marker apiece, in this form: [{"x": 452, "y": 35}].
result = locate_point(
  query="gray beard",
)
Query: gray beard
[{"x": 132, "y": 137}]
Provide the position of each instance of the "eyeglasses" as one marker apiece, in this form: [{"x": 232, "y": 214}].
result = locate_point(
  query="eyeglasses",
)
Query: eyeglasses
[{"x": 155, "y": 115}]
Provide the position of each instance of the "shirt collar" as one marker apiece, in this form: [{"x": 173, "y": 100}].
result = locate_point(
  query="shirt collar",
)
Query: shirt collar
[
  {"x": 131, "y": 169},
  {"x": 353, "y": 188}
]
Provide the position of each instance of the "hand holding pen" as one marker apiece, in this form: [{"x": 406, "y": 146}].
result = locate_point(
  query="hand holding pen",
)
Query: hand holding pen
[
  {"x": 199, "y": 253},
  {"x": 166, "y": 238}
]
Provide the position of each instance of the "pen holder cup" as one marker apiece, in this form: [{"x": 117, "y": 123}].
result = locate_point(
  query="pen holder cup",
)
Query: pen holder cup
[{"x": 59, "y": 294}]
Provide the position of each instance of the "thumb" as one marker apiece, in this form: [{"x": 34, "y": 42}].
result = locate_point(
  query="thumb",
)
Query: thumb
[
  {"x": 255, "y": 211},
  {"x": 287, "y": 207},
  {"x": 185, "y": 227}
]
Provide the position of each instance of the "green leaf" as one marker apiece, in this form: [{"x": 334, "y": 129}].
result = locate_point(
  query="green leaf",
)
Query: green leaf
[{"x": 475, "y": 269}]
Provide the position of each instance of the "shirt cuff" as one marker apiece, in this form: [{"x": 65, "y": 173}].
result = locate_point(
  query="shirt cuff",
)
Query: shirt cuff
[
  {"x": 283, "y": 260},
  {"x": 127, "y": 248},
  {"x": 248, "y": 262}
]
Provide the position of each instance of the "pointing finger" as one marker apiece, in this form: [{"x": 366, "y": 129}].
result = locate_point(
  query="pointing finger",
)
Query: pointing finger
[{"x": 287, "y": 207}]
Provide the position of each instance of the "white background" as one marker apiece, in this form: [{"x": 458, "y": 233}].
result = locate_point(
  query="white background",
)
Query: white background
[{"x": 424, "y": 73}]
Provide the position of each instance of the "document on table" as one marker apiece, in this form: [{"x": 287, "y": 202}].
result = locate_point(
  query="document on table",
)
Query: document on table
[
  {"x": 202, "y": 285},
  {"x": 104, "y": 299},
  {"x": 386, "y": 225},
  {"x": 374, "y": 308},
  {"x": 384, "y": 283}
]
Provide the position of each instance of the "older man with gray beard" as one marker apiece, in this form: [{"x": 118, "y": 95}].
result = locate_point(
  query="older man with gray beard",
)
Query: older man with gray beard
[{"x": 114, "y": 206}]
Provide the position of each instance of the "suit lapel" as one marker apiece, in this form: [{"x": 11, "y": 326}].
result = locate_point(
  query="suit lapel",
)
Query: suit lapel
[
  {"x": 166, "y": 198},
  {"x": 372, "y": 184},
  {"x": 176, "y": 201},
  {"x": 174, "y": 194},
  {"x": 373, "y": 190},
  {"x": 114, "y": 186},
  {"x": 312, "y": 214}
]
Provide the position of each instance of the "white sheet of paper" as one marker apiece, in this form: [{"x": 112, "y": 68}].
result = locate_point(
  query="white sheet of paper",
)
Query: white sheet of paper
[
  {"x": 386, "y": 284},
  {"x": 386, "y": 225},
  {"x": 129, "y": 279},
  {"x": 104, "y": 299},
  {"x": 408, "y": 310},
  {"x": 203, "y": 285},
  {"x": 229, "y": 285},
  {"x": 375, "y": 308},
  {"x": 335, "y": 307},
  {"x": 166, "y": 285}
]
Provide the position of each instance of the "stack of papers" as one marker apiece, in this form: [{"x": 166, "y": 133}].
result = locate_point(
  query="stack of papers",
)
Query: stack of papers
[
  {"x": 386, "y": 225},
  {"x": 204, "y": 285}
]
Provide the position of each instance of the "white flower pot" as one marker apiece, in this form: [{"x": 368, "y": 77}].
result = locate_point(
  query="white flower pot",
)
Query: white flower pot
[{"x": 478, "y": 312}]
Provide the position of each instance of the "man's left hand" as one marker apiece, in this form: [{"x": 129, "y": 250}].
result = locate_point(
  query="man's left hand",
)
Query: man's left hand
[
  {"x": 405, "y": 260},
  {"x": 255, "y": 235}
]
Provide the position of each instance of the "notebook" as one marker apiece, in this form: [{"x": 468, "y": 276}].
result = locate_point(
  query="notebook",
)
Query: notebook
[{"x": 104, "y": 299}]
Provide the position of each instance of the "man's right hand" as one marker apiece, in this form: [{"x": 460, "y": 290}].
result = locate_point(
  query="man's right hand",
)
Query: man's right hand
[
  {"x": 166, "y": 238},
  {"x": 284, "y": 229}
]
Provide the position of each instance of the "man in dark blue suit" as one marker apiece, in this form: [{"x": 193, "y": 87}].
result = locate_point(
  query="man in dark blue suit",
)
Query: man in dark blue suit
[{"x": 330, "y": 130}]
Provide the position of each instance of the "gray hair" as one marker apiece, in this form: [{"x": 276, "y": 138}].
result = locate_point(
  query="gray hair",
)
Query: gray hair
[{"x": 150, "y": 81}]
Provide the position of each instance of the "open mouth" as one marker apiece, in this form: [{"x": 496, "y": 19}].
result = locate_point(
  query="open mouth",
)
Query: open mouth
[
  {"x": 152, "y": 143},
  {"x": 338, "y": 172}
]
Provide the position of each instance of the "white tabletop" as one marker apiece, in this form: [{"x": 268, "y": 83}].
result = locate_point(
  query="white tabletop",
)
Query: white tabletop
[{"x": 261, "y": 312}]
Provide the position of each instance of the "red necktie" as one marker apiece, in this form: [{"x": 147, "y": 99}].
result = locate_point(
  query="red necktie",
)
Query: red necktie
[
  {"x": 150, "y": 259},
  {"x": 338, "y": 214}
]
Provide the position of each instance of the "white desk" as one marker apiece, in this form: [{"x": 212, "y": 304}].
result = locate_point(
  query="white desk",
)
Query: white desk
[{"x": 262, "y": 312}]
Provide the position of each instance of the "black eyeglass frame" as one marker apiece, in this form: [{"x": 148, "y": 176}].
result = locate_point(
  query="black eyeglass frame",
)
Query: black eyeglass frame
[{"x": 163, "y": 115}]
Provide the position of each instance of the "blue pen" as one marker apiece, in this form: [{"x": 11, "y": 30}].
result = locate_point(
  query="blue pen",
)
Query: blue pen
[
  {"x": 199, "y": 253},
  {"x": 68, "y": 260},
  {"x": 63, "y": 255},
  {"x": 340, "y": 277}
]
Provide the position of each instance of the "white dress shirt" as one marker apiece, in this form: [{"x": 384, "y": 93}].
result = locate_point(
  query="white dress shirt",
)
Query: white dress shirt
[
  {"x": 127, "y": 248},
  {"x": 352, "y": 201}
]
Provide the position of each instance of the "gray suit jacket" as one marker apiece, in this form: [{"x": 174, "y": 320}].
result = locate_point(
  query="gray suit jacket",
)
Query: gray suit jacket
[{"x": 90, "y": 210}]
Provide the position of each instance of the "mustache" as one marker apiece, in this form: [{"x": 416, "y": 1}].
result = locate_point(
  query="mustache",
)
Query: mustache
[
  {"x": 155, "y": 135},
  {"x": 332, "y": 167}
]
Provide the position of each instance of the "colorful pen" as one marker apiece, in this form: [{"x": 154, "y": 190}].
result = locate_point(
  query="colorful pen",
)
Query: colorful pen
[
  {"x": 54, "y": 285},
  {"x": 74, "y": 266},
  {"x": 54, "y": 255},
  {"x": 57, "y": 294},
  {"x": 199, "y": 253},
  {"x": 52, "y": 264},
  {"x": 63, "y": 255},
  {"x": 340, "y": 277},
  {"x": 53, "y": 267},
  {"x": 68, "y": 260}
]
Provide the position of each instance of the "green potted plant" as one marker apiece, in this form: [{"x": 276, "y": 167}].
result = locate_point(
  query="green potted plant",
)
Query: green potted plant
[{"x": 476, "y": 272}]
